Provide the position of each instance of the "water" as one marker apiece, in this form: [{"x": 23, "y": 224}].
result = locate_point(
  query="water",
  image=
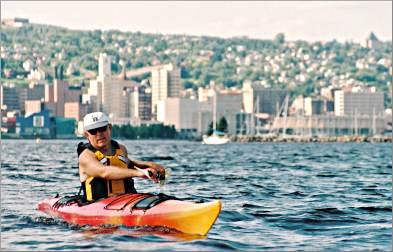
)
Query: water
[{"x": 275, "y": 196}]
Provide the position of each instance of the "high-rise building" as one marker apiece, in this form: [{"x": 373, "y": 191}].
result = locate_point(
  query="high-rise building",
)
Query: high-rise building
[
  {"x": 104, "y": 65},
  {"x": 142, "y": 99},
  {"x": 165, "y": 83}
]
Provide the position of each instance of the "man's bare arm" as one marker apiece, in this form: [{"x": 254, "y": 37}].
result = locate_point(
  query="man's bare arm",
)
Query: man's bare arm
[{"x": 92, "y": 167}]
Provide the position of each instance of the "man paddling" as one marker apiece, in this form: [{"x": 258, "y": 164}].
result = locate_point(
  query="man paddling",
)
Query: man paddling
[{"x": 104, "y": 167}]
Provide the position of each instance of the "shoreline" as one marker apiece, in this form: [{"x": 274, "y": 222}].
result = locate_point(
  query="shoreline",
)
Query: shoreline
[
  {"x": 313, "y": 139},
  {"x": 256, "y": 138}
]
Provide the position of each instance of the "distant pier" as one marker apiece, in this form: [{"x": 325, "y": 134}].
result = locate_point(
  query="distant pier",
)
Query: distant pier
[{"x": 311, "y": 139}]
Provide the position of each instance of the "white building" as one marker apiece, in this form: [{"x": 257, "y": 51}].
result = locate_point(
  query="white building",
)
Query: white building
[
  {"x": 358, "y": 103},
  {"x": 181, "y": 112},
  {"x": 104, "y": 66},
  {"x": 112, "y": 96},
  {"x": 227, "y": 103},
  {"x": 165, "y": 83}
]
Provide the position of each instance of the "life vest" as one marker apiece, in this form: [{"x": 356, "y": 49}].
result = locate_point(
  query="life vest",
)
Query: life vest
[{"x": 95, "y": 188}]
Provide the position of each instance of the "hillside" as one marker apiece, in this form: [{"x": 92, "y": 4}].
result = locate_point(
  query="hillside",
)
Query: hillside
[{"x": 301, "y": 66}]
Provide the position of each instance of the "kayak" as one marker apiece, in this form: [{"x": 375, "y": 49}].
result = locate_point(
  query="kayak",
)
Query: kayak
[{"x": 138, "y": 209}]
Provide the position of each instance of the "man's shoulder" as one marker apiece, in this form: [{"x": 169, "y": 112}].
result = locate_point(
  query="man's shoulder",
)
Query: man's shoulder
[{"x": 83, "y": 146}]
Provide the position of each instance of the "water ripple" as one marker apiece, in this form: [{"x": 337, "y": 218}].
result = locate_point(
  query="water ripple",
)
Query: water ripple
[{"x": 276, "y": 197}]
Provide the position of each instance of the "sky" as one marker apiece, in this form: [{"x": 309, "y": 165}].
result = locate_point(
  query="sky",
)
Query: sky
[{"x": 298, "y": 20}]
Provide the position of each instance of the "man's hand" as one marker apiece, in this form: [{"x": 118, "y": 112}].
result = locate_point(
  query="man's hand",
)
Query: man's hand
[
  {"x": 156, "y": 172},
  {"x": 150, "y": 170}
]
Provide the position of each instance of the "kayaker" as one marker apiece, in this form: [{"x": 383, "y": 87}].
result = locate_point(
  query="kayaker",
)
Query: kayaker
[{"x": 104, "y": 167}]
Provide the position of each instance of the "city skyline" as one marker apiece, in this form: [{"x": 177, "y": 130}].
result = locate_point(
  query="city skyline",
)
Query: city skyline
[{"x": 310, "y": 21}]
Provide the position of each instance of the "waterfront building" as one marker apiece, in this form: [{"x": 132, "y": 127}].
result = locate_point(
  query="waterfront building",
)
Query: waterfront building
[
  {"x": 260, "y": 99},
  {"x": 348, "y": 103},
  {"x": 316, "y": 106},
  {"x": 215, "y": 104},
  {"x": 329, "y": 125},
  {"x": 35, "y": 125},
  {"x": 180, "y": 112},
  {"x": 227, "y": 103},
  {"x": 65, "y": 127}
]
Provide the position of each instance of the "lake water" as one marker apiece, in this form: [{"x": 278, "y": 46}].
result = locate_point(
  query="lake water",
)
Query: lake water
[{"x": 275, "y": 196}]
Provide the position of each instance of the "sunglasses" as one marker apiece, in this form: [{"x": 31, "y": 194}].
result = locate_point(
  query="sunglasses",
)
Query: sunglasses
[{"x": 100, "y": 129}]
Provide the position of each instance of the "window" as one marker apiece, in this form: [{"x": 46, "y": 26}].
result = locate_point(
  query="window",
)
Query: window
[{"x": 38, "y": 121}]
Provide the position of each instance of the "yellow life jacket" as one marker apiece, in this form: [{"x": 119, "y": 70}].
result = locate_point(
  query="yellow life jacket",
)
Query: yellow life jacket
[{"x": 95, "y": 188}]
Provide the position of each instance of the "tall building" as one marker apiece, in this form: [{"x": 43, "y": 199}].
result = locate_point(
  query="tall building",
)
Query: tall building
[
  {"x": 165, "y": 83},
  {"x": 142, "y": 100},
  {"x": 9, "y": 98},
  {"x": 369, "y": 103},
  {"x": 113, "y": 95},
  {"x": 104, "y": 65}
]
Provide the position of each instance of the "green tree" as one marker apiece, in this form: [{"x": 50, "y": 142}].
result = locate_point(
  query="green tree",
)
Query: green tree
[
  {"x": 279, "y": 39},
  {"x": 222, "y": 124}
]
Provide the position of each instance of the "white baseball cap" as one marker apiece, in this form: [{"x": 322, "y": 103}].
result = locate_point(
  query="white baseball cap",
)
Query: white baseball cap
[{"x": 95, "y": 120}]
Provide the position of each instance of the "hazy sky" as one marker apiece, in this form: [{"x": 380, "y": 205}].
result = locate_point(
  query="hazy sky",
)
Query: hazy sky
[{"x": 306, "y": 20}]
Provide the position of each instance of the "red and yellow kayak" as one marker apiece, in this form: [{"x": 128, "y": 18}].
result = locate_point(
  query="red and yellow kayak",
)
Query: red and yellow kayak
[{"x": 139, "y": 209}]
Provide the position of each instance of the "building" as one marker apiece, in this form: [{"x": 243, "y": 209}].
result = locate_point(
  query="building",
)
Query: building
[
  {"x": 104, "y": 66},
  {"x": 314, "y": 106},
  {"x": 75, "y": 110},
  {"x": 13, "y": 97},
  {"x": 33, "y": 106},
  {"x": 227, "y": 103},
  {"x": 165, "y": 83},
  {"x": 35, "y": 125},
  {"x": 112, "y": 96},
  {"x": 180, "y": 112},
  {"x": 142, "y": 100},
  {"x": 260, "y": 99},
  {"x": 329, "y": 125},
  {"x": 9, "y": 98},
  {"x": 369, "y": 103},
  {"x": 65, "y": 127}
]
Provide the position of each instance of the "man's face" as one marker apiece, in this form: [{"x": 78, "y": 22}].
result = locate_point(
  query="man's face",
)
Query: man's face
[{"x": 99, "y": 137}]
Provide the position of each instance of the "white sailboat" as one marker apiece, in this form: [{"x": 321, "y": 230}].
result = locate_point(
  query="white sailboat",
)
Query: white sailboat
[{"x": 217, "y": 137}]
